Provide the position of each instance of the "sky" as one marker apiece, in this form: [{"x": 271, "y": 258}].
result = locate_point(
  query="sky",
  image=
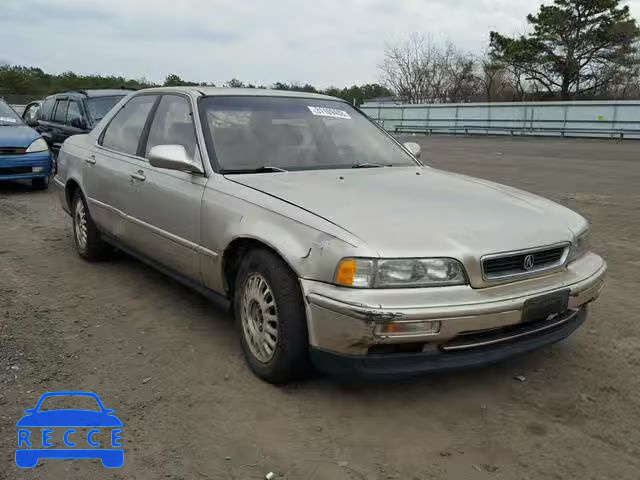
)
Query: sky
[{"x": 322, "y": 42}]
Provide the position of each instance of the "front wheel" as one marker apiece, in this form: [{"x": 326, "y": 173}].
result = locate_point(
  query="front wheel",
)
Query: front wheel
[{"x": 271, "y": 318}]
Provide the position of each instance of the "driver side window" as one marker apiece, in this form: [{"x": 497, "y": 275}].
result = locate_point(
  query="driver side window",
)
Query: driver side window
[
  {"x": 73, "y": 113},
  {"x": 125, "y": 129},
  {"x": 173, "y": 125}
]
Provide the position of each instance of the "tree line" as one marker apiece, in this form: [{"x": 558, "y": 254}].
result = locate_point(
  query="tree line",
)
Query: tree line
[
  {"x": 21, "y": 84},
  {"x": 356, "y": 94},
  {"x": 573, "y": 50}
]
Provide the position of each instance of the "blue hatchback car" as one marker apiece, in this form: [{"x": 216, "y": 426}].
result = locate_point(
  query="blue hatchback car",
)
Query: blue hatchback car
[{"x": 24, "y": 154}]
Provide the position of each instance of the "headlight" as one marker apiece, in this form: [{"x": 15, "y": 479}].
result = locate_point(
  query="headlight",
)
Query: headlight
[
  {"x": 580, "y": 245},
  {"x": 39, "y": 145},
  {"x": 401, "y": 272}
]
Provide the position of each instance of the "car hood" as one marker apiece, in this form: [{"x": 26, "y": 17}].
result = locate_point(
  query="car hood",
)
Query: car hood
[
  {"x": 19, "y": 136},
  {"x": 414, "y": 211},
  {"x": 69, "y": 418}
]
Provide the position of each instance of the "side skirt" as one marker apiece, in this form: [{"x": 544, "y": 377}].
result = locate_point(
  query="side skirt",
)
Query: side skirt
[{"x": 214, "y": 297}]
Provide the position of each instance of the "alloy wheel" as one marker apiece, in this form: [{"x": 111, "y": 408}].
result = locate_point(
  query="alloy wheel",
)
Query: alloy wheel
[{"x": 259, "y": 316}]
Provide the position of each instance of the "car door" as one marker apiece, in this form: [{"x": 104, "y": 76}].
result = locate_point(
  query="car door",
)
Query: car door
[
  {"x": 163, "y": 206},
  {"x": 107, "y": 168}
]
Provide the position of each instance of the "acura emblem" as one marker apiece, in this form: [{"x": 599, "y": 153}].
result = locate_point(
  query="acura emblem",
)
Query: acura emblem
[{"x": 528, "y": 262}]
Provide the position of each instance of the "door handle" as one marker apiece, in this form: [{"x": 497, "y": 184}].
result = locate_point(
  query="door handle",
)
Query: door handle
[
  {"x": 91, "y": 159},
  {"x": 139, "y": 175}
]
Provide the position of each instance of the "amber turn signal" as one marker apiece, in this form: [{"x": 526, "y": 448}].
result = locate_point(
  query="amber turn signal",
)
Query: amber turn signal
[{"x": 346, "y": 272}]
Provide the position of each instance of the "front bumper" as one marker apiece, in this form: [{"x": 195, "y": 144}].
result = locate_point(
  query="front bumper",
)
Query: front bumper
[
  {"x": 19, "y": 167},
  {"x": 408, "y": 364},
  {"x": 351, "y": 324}
]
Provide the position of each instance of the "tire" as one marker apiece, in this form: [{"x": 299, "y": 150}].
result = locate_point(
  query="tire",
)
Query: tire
[
  {"x": 288, "y": 358},
  {"x": 41, "y": 183},
  {"x": 87, "y": 239}
]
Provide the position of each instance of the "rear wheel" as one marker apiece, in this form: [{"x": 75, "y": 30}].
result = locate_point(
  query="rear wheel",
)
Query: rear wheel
[
  {"x": 271, "y": 318},
  {"x": 86, "y": 237}
]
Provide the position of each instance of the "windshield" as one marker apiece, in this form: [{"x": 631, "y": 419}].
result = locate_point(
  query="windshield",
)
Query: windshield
[
  {"x": 100, "y": 106},
  {"x": 271, "y": 133},
  {"x": 7, "y": 116}
]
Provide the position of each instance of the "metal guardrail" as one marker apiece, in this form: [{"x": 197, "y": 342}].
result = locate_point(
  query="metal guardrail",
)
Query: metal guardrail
[
  {"x": 598, "y": 119},
  {"x": 513, "y": 131}
]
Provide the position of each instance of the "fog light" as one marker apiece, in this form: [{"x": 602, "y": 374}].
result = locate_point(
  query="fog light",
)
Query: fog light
[
  {"x": 409, "y": 328},
  {"x": 38, "y": 169}
]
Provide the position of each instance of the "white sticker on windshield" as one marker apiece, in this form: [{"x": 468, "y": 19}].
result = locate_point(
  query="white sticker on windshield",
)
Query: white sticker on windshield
[
  {"x": 8, "y": 119},
  {"x": 329, "y": 112}
]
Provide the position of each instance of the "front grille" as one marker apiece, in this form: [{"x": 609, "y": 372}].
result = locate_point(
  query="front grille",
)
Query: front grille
[
  {"x": 14, "y": 170},
  {"x": 12, "y": 151},
  {"x": 523, "y": 263}
]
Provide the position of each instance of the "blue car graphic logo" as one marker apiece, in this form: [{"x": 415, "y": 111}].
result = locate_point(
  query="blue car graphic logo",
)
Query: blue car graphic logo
[{"x": 35, "y": 431}]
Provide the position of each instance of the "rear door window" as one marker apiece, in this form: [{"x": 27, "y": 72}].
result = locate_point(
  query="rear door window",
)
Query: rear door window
[
  {"x": 60, "y": 114},
  {"x": 125, "y": 129}
]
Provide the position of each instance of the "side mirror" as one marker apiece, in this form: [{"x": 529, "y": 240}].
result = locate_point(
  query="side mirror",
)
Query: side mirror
[
  {"x": 173, "y": 157},
  {"x": 78, "y": 123},
  {"x": 29, "y": 410},
  {"x": 414, "y": 149}
]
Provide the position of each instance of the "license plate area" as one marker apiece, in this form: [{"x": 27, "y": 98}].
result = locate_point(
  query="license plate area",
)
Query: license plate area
[{"x": 545, "y": 306}]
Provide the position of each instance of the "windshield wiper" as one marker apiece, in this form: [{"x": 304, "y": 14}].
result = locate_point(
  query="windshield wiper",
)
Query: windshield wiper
[
  {"x": 369, "y": 165},
  {"x": 262, "y": 169}
]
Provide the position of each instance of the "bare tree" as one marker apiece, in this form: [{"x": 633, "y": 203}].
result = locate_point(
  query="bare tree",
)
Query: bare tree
[
  {"x": 617, "y": 79},
  {"x": 420, "y": 71},
  {"x": 494, "y": 79},
  {"x": 406, "y": 67},
  {"x": 462, "y": 83}
]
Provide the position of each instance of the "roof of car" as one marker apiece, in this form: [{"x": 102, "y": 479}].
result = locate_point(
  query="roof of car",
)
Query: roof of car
[
  {"x": 96, "y": 92},
  {"x": 249, "y": 92}
]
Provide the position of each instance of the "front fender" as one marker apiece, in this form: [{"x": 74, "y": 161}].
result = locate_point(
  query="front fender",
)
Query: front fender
[{"x": 310, "y": 245}]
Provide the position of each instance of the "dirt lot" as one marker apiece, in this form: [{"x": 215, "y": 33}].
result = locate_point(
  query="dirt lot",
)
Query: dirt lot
[{"x": 170, "y": 365}]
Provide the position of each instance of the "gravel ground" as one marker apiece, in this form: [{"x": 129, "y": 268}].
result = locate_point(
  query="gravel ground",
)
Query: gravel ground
[{"x": 170, "y": 365}]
